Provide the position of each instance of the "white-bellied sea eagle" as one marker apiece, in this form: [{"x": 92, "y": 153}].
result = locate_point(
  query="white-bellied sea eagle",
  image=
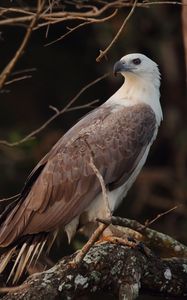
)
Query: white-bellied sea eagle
[{"x": 63, "y": 190}]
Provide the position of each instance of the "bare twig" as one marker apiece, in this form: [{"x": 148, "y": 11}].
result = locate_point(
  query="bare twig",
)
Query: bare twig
[
  {"x": 63, "y": 14},
  {"x": 9, "y": 198},
  {"x": 79, "y": 257},
  {"x": 91, "y": 104},
  {"x": 167, "y": 245},
  {"x": 103, "y": 53},
  {"x": 102, "y": 183},
  {"x": 19, "y": 72},
  {"x": 4, "y": 75},
  {"x": 57, "y": 114},
  {"x": 148, "y": 223},
  {"x": 17, "y": 79},
  {"x": 89, "y": 22}
]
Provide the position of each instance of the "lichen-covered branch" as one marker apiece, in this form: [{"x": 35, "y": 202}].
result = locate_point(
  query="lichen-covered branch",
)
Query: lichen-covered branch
[
  {"x": 165, "y": 244},
  {"x": 115, "y": 268}
]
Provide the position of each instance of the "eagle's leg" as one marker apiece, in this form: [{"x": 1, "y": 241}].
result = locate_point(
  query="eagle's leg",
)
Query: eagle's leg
[
  {"x": 94, "y": 237},
  {"x": 118, "y": 234}
]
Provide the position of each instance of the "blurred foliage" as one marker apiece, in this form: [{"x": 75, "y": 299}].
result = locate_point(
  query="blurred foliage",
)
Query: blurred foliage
[{"x": 63, "y": 68}]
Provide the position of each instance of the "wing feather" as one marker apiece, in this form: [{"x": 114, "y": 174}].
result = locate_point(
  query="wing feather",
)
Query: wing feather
[{"x": 116, "y": 137}]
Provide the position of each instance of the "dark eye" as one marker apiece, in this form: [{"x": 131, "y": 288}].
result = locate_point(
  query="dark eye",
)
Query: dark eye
[{"x": 136, "y": 61}]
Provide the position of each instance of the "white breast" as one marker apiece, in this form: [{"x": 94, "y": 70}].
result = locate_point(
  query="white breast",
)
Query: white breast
[{"x": 116, "y": 196}]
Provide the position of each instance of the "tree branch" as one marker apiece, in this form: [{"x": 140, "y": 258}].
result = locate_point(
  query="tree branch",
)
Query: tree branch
[
  {"x": 115, "y": 268},
  {"x": 167, "y": 246},
  {"x": 103, "y": 53},
  {"x": 88, "y": 22},
  {"x": 8, "y": 69},
  {"x": 57, "y": 114}
]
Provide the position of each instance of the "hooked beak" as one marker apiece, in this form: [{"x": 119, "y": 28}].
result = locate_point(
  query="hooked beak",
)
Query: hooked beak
[{"x": 120, "y": 67}]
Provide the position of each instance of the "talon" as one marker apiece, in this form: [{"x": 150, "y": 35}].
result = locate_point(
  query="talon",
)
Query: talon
[
  {"x": 131, "y": 239},
  {"x": 118, "y": 240},
  {"x": 143, "y": 249},
  {"x": 72, "y": 264}
]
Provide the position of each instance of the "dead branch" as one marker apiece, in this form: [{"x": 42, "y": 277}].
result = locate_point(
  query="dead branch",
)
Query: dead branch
[
  {"x": 165, "y": 244},
  {"x": 25, "y": 14},
  {"x": 50, "y": 13},
  {"x": 103, "y": 53},
  {"x": 115, "y": 268},
  {"x": 149, "y": 222},
  {"x": 57, "y": 114},
  {"x": 98, "y": 232},
  {"x": 88, "y": 22},
  {"x": 102, "y": 184},
  {"x": 8, "y": 69},
  {"x": 9, "y": 198}
]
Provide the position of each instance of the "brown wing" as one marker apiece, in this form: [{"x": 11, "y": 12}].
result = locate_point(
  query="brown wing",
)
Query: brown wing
[{"x": 116, "y": 137}]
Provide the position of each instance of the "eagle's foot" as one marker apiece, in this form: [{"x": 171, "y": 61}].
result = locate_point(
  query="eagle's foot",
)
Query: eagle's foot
[
  {"x": 72, "y": 264},
  {"x": 118, "y": 240},
  {"x": 81, "y": 254}
]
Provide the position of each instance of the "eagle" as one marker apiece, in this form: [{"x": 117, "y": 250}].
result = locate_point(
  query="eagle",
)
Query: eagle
[{"x": 63, "y": 190}]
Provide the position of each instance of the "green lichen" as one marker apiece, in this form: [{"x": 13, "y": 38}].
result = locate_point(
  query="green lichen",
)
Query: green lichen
[
  {"x": 81, "y": 281},
  {"x": 95, "y": 276}
]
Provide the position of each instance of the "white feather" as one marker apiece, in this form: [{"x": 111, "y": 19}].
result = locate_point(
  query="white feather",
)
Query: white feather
[{"x": 140, "y": 86}]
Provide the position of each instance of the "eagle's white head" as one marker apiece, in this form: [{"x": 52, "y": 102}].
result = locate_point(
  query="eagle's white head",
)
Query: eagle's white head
[
  {"x": 137, "y": 65},
  {"x": 142, "y": 82}
]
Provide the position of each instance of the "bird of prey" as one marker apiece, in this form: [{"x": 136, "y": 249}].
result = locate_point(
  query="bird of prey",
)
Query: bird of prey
[{"x": 63, "y": 190}]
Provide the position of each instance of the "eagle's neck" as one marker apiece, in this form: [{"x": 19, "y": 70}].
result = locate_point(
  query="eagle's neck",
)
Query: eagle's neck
[{"x": 136, "y": 90}]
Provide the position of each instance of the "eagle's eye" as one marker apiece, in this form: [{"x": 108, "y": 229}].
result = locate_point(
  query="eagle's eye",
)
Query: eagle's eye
[{"x": 136, "y": 61}]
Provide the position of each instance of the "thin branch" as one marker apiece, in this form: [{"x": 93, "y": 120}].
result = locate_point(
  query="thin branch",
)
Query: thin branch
[
  {"x": 89, "y": 22},
  {"x": 17, "y": 79},
  {"x": 9, "y": 198},
  {"x": 91, "y": 104},
  {"x": 97, "y": 233},
  {"x": 84, "y": 14},
  {"x": 103, "y": 53},
  {"x": 102, "y": 183},
  {"x": 167, "y": 245},
  {"x": 18, "y": 72},
  {"x": 57, "y": 114},
  {"x": 148, "y": 223},
  {"x": 6, "y": 72}
]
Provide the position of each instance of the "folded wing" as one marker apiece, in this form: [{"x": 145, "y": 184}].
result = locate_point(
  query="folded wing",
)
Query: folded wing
[{"x": 63, "y": 184}]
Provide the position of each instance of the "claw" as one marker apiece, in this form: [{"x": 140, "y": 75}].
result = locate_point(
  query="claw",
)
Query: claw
[{"x": 118, "y": 240}]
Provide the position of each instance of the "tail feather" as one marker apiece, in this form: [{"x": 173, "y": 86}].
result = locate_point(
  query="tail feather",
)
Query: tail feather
[
  {"x": 20, "y": 253},
  {"x": 5, "y": 258},
  {"x": 27, "y": 253},
  {"x": 17, "y": 275},
  {"x": 23, "y": 263},
  {"x": 40, "y": 251},
  {"x": 34, "y": 253}
]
